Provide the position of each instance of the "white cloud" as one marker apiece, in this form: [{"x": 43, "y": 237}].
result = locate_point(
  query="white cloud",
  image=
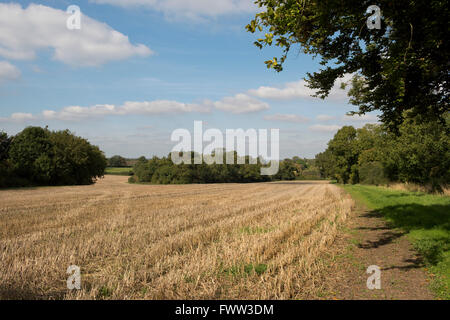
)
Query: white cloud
[
  {"x": 299, "y": 90},
  {"x": 325, "y": 117},
  {"x": 73, "y": 113},
  {"x": 160, "y": 106},
  {"x": 356, "y": 121},
  {"x": 24, "y": 31},
  {"x": 286, "y": 118},
  {"x": 19, "y": 116},
  {"x": 77, "y": 113},
  {"x": 325, "y": 128},
  {"x": 190, "y": 9},
  {"x": 240, "y": 103},
  {"x": 8, "y": 72},
  {"x": 366, "y": 118},
  {"x": 291, "y": 90}
]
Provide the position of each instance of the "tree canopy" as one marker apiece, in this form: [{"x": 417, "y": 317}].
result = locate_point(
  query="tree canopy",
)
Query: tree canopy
[
  {"x": 38, "y": 156},
  {"x": 164, "y": 171},
  {"x": 117, "y": 161},
  {"x": 419, "y": 154},
  {"x": 402, "y": 66}
]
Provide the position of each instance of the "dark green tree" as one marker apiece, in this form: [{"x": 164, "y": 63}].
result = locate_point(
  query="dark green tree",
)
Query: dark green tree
[
  {"x": 345, "y": 153},
  {"x": 75, "y": 160},
  {"x": 39, "y": 156},
  {"x": 144, "y": 170},
  {"x": 325, "y": 163},
  {"x": 5, "y": 143},
  {"x": 402, "y": 66},
  {"x": 117, "y": 161},
  {"x": 420, "y": 154},
  {"x": 31, "y": 153}
]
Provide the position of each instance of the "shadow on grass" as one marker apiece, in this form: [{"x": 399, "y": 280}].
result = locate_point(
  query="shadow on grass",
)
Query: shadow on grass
[
  {"x": 405, "y": 194},
  {"x": 431, "y": 222},
  {"x": 416, "y": 216},
  {"x": 374, "y": 228}
]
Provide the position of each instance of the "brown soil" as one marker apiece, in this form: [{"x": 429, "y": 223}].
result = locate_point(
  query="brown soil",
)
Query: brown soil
[{"x": 369, "y": 240}]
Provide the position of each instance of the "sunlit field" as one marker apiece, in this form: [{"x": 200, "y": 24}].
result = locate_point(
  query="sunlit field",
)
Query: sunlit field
[{"x": 222, "y": 241}]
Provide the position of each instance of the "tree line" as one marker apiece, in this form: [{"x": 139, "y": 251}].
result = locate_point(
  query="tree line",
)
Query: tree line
[
  {"x": 164, "y": 171},
  {"x": 118, "y": 161},
  {"x": 37, "y": 156},
  {"x": 419, "y": 153}
]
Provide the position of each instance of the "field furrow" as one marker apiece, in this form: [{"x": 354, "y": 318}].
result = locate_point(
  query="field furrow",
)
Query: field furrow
[{"x": 230, "y": 241}]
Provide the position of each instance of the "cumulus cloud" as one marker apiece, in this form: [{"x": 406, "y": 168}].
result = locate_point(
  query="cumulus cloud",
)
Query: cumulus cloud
[
  {"x": 286, "y": 118},
  {"x": 8, "y": 72},
  {"x": 18, "y": 117},
  {"x": 240, "y": 103},
  {"x": 356, "y": 121},
  {"x": 365, "y": 118},
  {"x": 25, "y": 31},
  {"x": 190, "y": 9},
  {"x": 325, "y": 117},
  {"x": 75, "y": 113},
  {"x": 291, "y": 90},
  {"x": 299, "y": 90},
  {"x": 325, "y": 128},
  {"x": 161, "y": 106}
]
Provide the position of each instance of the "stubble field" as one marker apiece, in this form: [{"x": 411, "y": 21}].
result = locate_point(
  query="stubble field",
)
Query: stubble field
[{"x": 222, "y": 241}]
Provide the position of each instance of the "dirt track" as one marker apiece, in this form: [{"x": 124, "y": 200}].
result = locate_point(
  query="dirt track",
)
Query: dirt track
[{"x": 369, "y": 240}]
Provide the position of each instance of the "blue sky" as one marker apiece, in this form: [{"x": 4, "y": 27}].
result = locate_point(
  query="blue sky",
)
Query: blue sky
[{"x": 138, "y": 69}]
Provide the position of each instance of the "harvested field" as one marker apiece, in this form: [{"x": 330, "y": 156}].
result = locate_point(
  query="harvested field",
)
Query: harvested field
[{"x": 222, "y": 241}]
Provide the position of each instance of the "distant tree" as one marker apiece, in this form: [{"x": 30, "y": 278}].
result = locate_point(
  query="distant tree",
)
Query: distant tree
[
  {"x": 75, "y": 160},
  {"x": 30, "y": 155},
  {"x": 345, "y": 153},
  {"x": 43, "y": 157},
  {"x": 325, "y": 163},
  {"x": 302, "y": 162},
  {"x": 251, "y": 173},
  {"x": 369, "y": 144},
  {"x": 164, "y": 171},
  {"x": 165, "y": 174},
  {"x": 420, "y": 154},
  {"x": 144, "y": 170},
  {"x": 312, "y": 173},
  {"x": 289, "y": 170},
  {"x": 141, "y": 160},
  {"x": 117, "y": 161},
  {"x": 5, "y": 143}
]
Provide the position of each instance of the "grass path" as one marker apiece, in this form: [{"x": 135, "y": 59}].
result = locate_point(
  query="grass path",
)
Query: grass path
[{"x": 392, "y": 217}]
